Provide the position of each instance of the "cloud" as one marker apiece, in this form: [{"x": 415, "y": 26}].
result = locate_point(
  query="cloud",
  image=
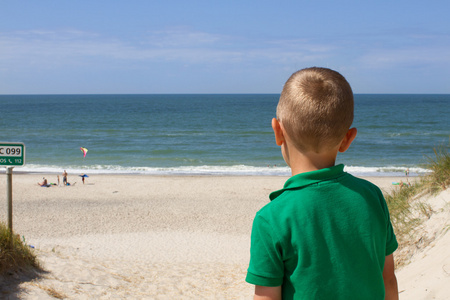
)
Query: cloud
[
  {"x": 180, "y": 38},
  {"x": 53, "y": 49},
  {"x": 406, "y": 57},
  {"x": 63, "y": 50}
]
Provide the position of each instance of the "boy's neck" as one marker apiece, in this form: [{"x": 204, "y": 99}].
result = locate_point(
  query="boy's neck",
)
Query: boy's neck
[{"x": 310, "y": 161}]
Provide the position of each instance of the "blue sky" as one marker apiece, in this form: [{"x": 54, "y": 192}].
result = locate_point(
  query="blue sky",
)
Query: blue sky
[{"x": 92, "y": 47}]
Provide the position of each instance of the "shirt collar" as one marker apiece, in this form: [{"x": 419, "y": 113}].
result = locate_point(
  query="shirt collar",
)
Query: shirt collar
[{"x": 304, "y": 179}]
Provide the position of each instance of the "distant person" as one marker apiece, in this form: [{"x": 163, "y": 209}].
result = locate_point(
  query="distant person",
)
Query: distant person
[
  {"x": 64, "y": 177},
  {"x": 407, "y": 174},
  {"x": 44, "y": 182},
  {"x": 83, "y": 176},
  {"x": 326, "y": 234}
]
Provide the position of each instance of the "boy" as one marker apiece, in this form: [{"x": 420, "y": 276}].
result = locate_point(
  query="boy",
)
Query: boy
[{"x": 326, "y": 234}]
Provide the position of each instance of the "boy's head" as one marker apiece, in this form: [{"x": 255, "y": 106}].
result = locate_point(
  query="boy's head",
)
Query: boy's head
[{"x": 316, "y": 109}]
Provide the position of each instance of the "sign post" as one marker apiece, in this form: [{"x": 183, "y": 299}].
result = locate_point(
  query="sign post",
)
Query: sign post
[
  {"x": 9, "y": 171},
  {"x": 11, "y": 154}
]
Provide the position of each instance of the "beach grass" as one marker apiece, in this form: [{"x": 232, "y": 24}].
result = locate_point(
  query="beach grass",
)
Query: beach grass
[
  {"x": 408, "y": 211},
  {"x": 439, "y": 178},
  {"x": 15, "y": 255}
]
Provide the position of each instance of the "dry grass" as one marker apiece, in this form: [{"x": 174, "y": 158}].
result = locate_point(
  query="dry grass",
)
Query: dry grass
[
  {"x": 15, "y": 255},
  {"x": 440, "y": 169},
  {"x": 51, "y": 291}
]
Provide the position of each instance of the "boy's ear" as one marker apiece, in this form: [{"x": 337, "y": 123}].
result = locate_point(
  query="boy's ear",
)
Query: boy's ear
[
  {"x": 279, "y": 136},
  {"x": 348, "y": 139}
]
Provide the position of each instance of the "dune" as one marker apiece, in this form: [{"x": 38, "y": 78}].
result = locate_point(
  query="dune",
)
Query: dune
[{"x": 427, "y": 275}]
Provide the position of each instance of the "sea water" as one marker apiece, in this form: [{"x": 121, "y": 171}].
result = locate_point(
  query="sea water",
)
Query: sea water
[{"x": 209, "y": 134}]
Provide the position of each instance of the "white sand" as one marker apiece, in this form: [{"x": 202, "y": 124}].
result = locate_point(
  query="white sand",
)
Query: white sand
[{"x": 151, "y": 237}]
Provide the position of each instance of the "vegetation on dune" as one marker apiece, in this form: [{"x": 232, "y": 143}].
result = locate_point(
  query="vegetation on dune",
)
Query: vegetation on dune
[
  {"x": 408, "y": 212},
  {"x": 15, "y": 255},
  {"x": 440, "y": 170}
]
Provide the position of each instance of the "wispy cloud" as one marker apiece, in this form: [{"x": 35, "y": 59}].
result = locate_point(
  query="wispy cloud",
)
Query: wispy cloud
[
  {"x": 56, "y": 48},
  {"x": 51, "y": 49},
  {"x": 412, "y": 57},
  {"x": 39, "y": 49},
  {"x": 181, "y": 38}
]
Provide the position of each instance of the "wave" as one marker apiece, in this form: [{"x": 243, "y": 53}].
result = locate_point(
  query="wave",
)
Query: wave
[
  {"x": 234, "y": 170},
  {"x": 384, "y": 171}
]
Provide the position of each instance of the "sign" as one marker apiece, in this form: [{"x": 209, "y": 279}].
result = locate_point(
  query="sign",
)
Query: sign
[{"x": 12, "y": 154}]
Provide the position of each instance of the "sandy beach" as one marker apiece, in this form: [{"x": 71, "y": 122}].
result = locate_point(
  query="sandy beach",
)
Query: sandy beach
[{"x": 174, "y": 237}]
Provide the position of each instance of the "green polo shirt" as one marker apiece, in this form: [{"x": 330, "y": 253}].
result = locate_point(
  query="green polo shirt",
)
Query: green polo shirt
[{"x": 325, "y": 235}]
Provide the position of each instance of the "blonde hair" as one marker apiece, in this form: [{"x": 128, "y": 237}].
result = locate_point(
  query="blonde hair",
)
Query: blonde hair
[{"x": 316, "y": 109}]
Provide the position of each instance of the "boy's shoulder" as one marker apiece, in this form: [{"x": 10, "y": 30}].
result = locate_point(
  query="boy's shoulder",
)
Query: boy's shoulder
[
  {"x": 314, "y": 180},
  {"x": 308, "y": 189}
]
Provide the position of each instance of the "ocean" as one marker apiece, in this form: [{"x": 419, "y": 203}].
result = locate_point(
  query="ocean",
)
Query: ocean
[{"x": 214, "y": 134}]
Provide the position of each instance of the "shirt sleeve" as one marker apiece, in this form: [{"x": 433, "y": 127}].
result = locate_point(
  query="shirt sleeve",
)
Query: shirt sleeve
[
  {"x": 391, "y": 239},
  {"x": 266, "y": 263}
]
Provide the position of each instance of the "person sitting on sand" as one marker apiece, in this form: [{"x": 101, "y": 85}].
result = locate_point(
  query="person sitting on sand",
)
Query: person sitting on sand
[
  {"x": 326, "y": 234},
  {"x": 44, "y": 182}
]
